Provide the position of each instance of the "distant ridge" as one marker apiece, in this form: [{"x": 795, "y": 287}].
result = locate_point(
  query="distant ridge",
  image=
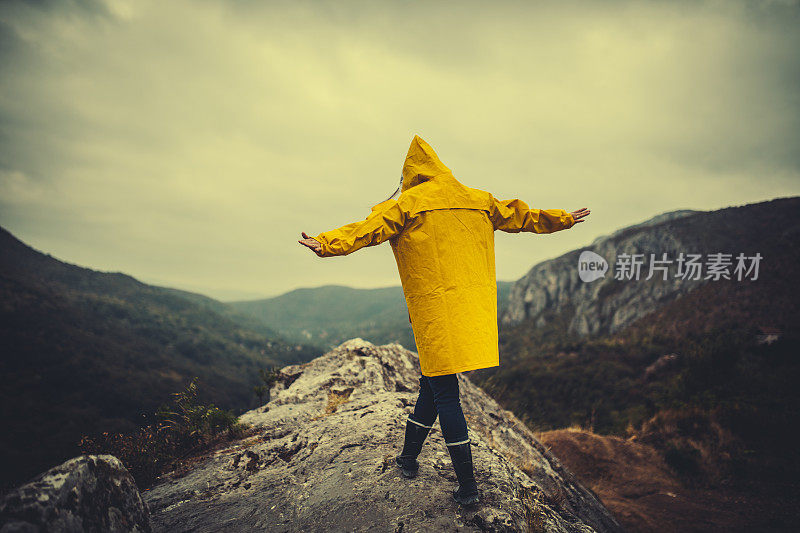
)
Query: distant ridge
[{"x": 331, "y": 314}]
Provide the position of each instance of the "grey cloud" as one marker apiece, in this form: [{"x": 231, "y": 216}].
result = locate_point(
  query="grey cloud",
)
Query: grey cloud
[{"x": 191, "y": 142}]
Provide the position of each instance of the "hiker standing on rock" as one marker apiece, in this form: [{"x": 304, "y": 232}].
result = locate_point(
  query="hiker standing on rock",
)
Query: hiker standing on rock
[{"x": 442, "y": 237}]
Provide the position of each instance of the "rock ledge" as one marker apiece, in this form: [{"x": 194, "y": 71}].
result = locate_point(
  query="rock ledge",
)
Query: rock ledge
[
  {"x": 322, "y": 460},
  {"x": 87, "y": 493}
]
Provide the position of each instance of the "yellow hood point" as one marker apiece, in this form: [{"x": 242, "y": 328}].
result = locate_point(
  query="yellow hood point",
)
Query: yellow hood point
[
  {"x": 421, "y": 164},
  {"x": 442, "y": 236}
]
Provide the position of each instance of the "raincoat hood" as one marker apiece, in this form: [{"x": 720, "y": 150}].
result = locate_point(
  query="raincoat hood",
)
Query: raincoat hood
[{"x": 422, "y": 164}]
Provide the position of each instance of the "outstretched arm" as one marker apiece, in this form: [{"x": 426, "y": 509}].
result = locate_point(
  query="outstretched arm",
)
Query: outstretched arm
[
  {"x": 385, "y": 221},
  {"x": 514, "y": 216}
]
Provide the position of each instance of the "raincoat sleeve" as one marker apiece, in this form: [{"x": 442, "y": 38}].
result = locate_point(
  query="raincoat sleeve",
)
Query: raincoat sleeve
[
  {"x": 514, "y": 216},
  {"x": 386, "y": 220}
]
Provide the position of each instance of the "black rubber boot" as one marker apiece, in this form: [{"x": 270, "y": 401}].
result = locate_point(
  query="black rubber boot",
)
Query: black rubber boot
[
  {"x": 415, "y": 437},
  {"x": 467, "y": 492}
]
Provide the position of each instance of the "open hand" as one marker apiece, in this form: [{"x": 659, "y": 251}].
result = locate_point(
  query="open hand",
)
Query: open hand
[
  {"x": 311, "y": 242},
  {"x": 580, "y": 214}
]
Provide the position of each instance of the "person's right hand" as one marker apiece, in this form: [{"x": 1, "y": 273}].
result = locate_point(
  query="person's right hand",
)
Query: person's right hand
[
  {"x": 580, "y": 214},
  {"x": 311, "y": 242}
]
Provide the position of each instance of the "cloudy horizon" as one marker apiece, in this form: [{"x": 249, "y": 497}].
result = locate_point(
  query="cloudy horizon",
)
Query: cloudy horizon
[{"x": 188, "y": 143}]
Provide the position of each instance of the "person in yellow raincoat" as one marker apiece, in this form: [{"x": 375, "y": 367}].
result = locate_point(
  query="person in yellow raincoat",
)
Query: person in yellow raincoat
[{"x": 442, "y": 236}]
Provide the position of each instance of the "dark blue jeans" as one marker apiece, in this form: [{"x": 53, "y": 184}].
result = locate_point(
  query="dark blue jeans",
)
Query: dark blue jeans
[{"x": 438, "y": 395}]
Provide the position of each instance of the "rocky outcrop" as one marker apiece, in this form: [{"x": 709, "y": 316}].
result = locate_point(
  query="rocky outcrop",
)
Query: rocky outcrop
[
  {"x": 552, "y": 291},
  {"x": 321, "y": 459},
  {"x": 88, "y": 493}
]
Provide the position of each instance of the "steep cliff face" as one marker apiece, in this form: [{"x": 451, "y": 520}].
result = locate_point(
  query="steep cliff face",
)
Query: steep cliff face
[
  {"x": 553, "y": 291},
  {"x": 322, "y": 460}
]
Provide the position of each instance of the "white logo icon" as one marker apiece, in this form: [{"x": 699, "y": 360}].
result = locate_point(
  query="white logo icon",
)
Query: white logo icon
[{"x": 591, "y": 266}]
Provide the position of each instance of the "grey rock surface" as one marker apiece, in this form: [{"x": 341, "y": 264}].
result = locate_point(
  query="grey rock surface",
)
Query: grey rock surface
[
  {"x": 322, "y": 459},
  {"x": 87, "y": 493},
  {"x": 552, "y": 290}
]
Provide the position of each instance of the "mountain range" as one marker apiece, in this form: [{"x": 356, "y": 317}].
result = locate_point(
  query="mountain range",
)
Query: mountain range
[
  {"x": 702, "y": 370},
  {"x": 86, "y": 352}
]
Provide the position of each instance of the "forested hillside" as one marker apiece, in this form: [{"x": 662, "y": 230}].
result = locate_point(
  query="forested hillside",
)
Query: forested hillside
[
  {"x": 709, "y": 377},
  {"x": 86, "y": 351}
]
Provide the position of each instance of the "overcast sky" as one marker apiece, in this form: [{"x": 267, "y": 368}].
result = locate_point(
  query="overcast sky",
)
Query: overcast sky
[{"x": 189, "y": 143}]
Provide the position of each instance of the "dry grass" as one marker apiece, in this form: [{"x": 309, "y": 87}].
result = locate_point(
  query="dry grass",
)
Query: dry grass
[
  {"x": 635, "y": 482},
  {"x": 535, "y": 516},
  {"x": 335, "y": 399}
]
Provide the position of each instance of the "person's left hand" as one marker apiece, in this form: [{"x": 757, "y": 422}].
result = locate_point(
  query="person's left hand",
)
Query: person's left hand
[{"x": 311, "y": 242}]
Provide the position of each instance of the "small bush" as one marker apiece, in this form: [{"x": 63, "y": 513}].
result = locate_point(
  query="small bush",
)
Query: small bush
[
  {"x": 182, "y": 427},
  {"x": 268, "y": 378}
]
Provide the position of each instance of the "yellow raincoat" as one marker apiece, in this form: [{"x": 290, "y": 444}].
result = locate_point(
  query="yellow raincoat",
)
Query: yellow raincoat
[{"x": 442, "y": 236}]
